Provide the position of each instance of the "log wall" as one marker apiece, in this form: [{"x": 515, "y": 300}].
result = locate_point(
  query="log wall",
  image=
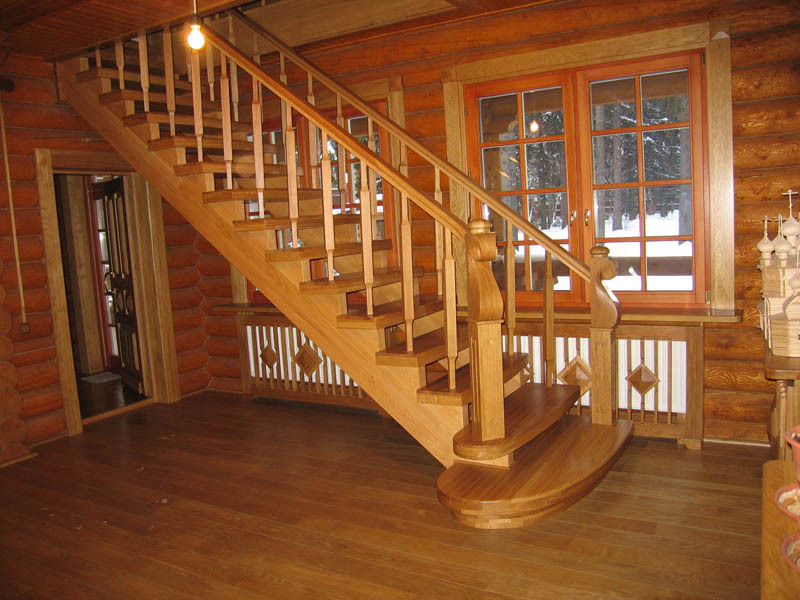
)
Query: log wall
[
  {"x": 199, "y": 277},
  {"x": 31, "y": 410}
]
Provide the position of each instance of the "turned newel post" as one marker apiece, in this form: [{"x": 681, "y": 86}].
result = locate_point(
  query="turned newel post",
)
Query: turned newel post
[
  {"x": 605, "y": 315},
  {"x": 485, "y": 341}
]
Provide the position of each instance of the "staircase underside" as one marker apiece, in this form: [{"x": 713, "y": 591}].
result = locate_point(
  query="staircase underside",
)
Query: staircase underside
[{"x": 556, "y": 469}]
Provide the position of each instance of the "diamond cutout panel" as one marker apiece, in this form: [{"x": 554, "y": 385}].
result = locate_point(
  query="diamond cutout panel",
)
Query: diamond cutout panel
[
  {"x": 268, "y": 356},
  {"x": 577, "y": 372},
  {"x": 307, "y": 359},
  {"x": 642, "y": 379}
]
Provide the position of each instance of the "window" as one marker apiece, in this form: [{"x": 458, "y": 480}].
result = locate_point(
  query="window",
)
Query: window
[{"x": 608, "y": 155}]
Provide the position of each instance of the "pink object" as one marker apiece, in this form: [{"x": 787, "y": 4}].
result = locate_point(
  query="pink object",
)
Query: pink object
[
  {"x": 793, "y": 437},
  {"x": 781, "y": 505},
  {"x": 786, "y": 548}
]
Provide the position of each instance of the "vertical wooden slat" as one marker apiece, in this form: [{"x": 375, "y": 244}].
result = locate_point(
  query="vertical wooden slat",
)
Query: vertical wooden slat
[
  {"x": 234, "y": 73},
  {"x": 227, "y": 135},
  {"x": 341, "y": 165},
  {"x": 511, "y": 287},
  {"x": 438, "y": 230},
  {"x": 641, "y": 363},
  {"x": 366, "y": 237},
  {"x": 197, "y": 104},
  {"x": 656, "y": 388},
  {"x": 144, "y": 70},
  {"x": 119, "y": 55},
  {"x": 669, "y": 382},
  {"x": 449, "y": 291},
  {"x": 327, "y": 203},
  {"x": 291, "y": 179},
  {"x": 628, "y": 370},
  {"x": 169, "y": 77},
  {"x": 258, "y": 147},
  {"x": 407, "y": 266}
]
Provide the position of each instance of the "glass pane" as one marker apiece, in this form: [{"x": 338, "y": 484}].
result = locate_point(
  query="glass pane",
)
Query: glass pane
[
  {"x": 499, "y": 268},
  {"x": 499, "y": 121},
  {"x": 545, "y": 164},
  {"x": 501, "y": 169},
  {"x": 665, "y": 97},
  {"x": 613, "y": 104},
  {"x": 355, "y": 177},
  {"x": 543, "y": 112},
  {"x": 498, "y": 222},
  {"x": 615, "y": 158},
  {"x": 616, "y": 213},
  {"x": 560, "y": 271},
  {"x": 103, "y": 246},
  {"x": 669, "y": 265},
  {"x": 110, "y": 309},
  {"x": 668, "y": 210},
  {"x": 667, "y": 154},
  {"x": 101, "y": 214},
  {"x": 548, "y": 212},
  {"x": 627, "y": 257},
  {"x": 112, "y": 331},
  {"x": 358, "y": 128}
]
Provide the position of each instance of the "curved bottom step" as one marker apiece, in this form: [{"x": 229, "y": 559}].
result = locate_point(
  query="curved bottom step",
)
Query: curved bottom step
[{"x": 556, "y": 469}]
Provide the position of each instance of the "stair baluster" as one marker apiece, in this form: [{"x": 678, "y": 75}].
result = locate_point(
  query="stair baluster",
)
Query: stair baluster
[
  {"x": 258, "y": 148},
  {"x": 291, "y": 178},
  {"x": 327, "y": 203},
  {"x": 341, "y": 162},
  {"x": 313, "y": 156},
  {"x": 437, "y": 230},
  {"x": 234, "y": 73},
  {"x": 210, "y": 76},
  {"x": 365, "y": 206},
  {"x": 169, "y": 77},
  {"x": 510, "y": 286},
  {"x": 225, "y": 99},
  {"x": 449, "y": 305},
  {"x": 197, "y": 102},
  {"x": 119, "y": 55},
  {"x": 407, "y": 266},
  {"x": 144, "y": 70},
  {"x": 548, "y": 316}
]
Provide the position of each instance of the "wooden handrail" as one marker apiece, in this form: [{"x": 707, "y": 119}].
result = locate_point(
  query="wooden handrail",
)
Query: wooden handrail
[
  {"x": 341, "y": 135},
  {"x": 454, "y": 174}
]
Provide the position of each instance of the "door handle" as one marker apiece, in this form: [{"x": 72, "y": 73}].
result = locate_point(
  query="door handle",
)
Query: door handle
[
  {"x": 573, "y": 214},
  {"x": 586, "y": 214}
]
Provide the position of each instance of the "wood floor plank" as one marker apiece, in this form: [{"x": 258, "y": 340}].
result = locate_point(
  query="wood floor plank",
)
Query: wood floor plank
[{"x": 218, "y": 498}]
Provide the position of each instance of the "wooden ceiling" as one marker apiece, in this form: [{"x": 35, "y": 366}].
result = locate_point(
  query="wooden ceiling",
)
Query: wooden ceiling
[{"x": 51, "y": 29}]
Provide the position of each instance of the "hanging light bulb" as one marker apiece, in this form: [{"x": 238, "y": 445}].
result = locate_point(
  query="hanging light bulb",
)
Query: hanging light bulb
[{"x": 196, "y": 40}]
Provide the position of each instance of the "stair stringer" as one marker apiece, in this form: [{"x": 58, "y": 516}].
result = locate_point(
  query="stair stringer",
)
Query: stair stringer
[{"x": 393, "y": 388}]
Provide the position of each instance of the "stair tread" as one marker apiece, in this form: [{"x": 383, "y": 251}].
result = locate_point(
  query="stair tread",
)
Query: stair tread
[
  {"x": 427, "y": 349},
  {"x": 209, "y": 142},
  {"x": 211, "y": 165},
  {"x": 180, "y": 119},
  {"x": 439, "y": 391},
  {"x": 270, "y": 194},
  {"x": 549, "y": 473},
  {"x": 285, "y": 222},
  {"x": 315, "y": 252},
  {"x": 136, "y": 95},
  {"x": 113, "y": 73},
  {"x": 353, "y": 282},
  {"x": 389, "y": 313},
  {"x": 528, "y": 412}
]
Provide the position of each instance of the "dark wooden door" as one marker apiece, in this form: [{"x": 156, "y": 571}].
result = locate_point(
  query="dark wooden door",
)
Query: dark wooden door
[{"x": 118, "y": 281}]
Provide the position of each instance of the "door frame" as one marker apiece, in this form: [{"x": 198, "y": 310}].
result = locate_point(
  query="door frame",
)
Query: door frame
[{"x": 151, "y": 285}]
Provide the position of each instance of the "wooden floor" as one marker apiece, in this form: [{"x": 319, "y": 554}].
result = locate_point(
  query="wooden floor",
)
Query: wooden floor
[{"x": 217, "y": 498}]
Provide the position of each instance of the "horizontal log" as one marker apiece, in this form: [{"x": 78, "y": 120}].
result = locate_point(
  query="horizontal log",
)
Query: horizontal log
[
  {"x": 733, "y": 344},
  {"x": 766, "y": 117},
  {"x": 6, "y": 348},
  {"x": 40, "y": 401},
  {"x": 42, "y": 116},
  {"x": 218, "y": 287},
  {"x": 179, "y": 235},
  {"x": 9, "y": 375},
  {"x": 181, "y": 256},
  {"x": 45, "y": 426},
  {"x": 189, "y": 338},
  {"x": 428, "y": 284},
  {"x": 423, "y": 97},
  {"x": 213, "y": 264},
  {"x": 225, "y": 384},
  {"x": 224, "y": 367},
  {"x": 434, "y": 142},
  {"x": 37, "y": 299},
  {"x": 10, "y": 402},
  {"x": 779, "y": 44},
  {"x": 5, "y": 320},
  {"x": 27, "y": 221},
  {"x": 763, "y": 82},
  {"x": 29, "y": 344},
  {"x": 33, "y": 377},
  {"x": 750, "y": 316},
  {"x": 746, "y": 255},
  {"x": 22, "y": 168},
  {"x": 34, "y": 357},
  {"x": 183, "y": 277},
  {"x": 188, "y": 318},
  {"x": 223, "y": 346},
  {"x": 749, "y": 407},
  {"x": 25, "y": 194},
  {"x": 423, "y": 233},
  {"x": 734, "y": 375},
  {"x": 34, "y": 275},
  {"x": 39, "y": 325},
  {"x": 750, "y": 217},
  {"x": 192, "y": 359},
  {"x": 12, "y": 430},
  {"x": 747, "y": 283},
  {"x": 193, "y": 381},
  {"x": 24, "y": 141},
  {"x": 30, "y": 247},
  {"x": 171, "y": 216},
  {"x": 426, "y": 124},
  {"x": 747, "y": 16},
  {"x": 12, "y": 453},
  {"x": 764, "y": 186},
  {"x": 766, "y": 152},
  {"x": 16, "y": 64},
  {"x": 733, "y": 430},
  {"x": 221, "y": 325},
  {"x": 204, "y": 246},
  {"x": 185, "y": 298}
]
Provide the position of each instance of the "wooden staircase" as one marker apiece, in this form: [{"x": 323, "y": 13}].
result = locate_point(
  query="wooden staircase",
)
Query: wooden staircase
[{"x": 512, "y": 452}]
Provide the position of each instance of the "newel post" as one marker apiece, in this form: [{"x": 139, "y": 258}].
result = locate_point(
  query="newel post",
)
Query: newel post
[
  {"x": 605, "y": 315},
  {"x": 485, "y": 341}
]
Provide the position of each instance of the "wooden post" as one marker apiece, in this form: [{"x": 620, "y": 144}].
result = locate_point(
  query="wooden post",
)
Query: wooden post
[
  {"x": 605, "y": 314},
  {"x": 485, "y": 335}
]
